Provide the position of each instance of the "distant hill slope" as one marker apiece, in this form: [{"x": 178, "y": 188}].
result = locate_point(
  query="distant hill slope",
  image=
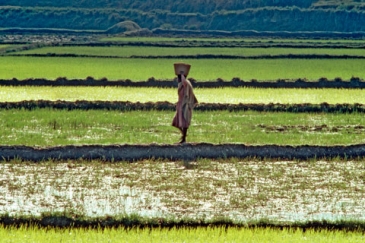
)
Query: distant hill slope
[
  {"x": 233, "y": 15},
  {"x": 182, "y": 6}
]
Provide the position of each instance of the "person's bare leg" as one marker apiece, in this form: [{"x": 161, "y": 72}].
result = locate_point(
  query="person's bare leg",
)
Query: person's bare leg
[{"x": 184, "y": 132}]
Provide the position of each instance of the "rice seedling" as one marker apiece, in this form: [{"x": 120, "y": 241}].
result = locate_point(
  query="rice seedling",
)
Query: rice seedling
[
  {"x": 142, "y": 69},
  {"x": 2, "y": 46},
  {"x": 217, "y": 95},
  {"x": 132, "y": 51},
  {"x": 48, "y": 127},
  {"x": 158, "y": 39},
  {"x": 228, "y": 40},
  {"x": 211, "y": 234}
]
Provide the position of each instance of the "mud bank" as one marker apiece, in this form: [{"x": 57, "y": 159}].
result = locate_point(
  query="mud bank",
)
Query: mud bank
[
  {"x": 187, "y": 152},
  {"x": 353, "y": 83},
  {"x": 137, "y": 222},
  {"x": 164, "y": 105}
]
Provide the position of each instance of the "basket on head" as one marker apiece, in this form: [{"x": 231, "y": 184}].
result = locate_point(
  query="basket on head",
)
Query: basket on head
[{"x": 182, "y": 68}]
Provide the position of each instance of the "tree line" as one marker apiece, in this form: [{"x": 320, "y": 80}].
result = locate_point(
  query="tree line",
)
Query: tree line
[
  {"x": 228, "y": 15},
  {"x": 181, "y": 6}
]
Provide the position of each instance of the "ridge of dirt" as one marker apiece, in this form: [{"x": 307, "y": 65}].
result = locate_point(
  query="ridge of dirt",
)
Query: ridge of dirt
[
  {"x": 316, "y": 128},
  {"x": 109, "y": 222},
  {"x": 164, "y": 105},
  {"x": 176, "y": 152},
  {"x": 353, "y": 83},
  {"x": 200, "y": 56}
]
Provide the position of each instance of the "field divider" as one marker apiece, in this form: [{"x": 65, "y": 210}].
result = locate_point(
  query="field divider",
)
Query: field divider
[
  {"x": 178, "y": 152},
  {"x": 66, "y": 221},
  {"x": 168, "y": 106},
  {"x": 353, "y": 83},
  {"x": 197, "y": 56}
]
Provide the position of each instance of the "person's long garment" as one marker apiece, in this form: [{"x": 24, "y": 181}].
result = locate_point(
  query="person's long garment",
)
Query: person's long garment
[{"x": 185, "y": 104}]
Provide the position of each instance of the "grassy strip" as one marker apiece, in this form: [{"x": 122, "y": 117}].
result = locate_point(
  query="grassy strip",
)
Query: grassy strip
[
  {"x": 4, "y": 46},
  {"x": 140, "y": 39},
  {"x": 309, "y": 194},
  {"x": 48, "y": 127},
  {"x": 211, "y": 234},
  {"x": 130, "y": 51},
  {"x": 217, "y": 95},
  {"x": 204, "y": 69}
]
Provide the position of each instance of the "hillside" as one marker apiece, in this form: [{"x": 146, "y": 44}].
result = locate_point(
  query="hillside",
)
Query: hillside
[
  {"x": 234, "y": 15},
  {"x": 181, "y": 6}
]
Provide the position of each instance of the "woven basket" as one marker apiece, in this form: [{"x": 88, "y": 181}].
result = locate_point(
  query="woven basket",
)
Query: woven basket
[{"x": 182, "y": 68}]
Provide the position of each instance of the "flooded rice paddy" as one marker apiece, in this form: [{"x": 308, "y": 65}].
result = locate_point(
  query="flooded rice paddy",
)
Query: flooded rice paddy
[{"x": 241, "y": 190}]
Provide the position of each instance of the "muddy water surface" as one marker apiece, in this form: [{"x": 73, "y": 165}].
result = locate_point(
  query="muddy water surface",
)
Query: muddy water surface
[{"x": 240, "y": 190}]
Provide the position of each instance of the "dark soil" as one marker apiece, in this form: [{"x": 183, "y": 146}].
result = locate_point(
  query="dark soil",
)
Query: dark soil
[
  {"x": 164, "y": 105},
  {"x": 137, "y": 222},
  {"x": 318, "y": 128},
  {"x": 205, "y": 56},
  {"x": 177, "y": 152},
  {"x": 354, "y": 82}
]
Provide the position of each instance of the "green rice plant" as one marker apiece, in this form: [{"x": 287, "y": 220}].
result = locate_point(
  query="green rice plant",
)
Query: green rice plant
[
  {"x": 228, "y": 40},
  {"x": 169, "y": 39},
  {"x": 47, "y": 127},
  {"x": 211, "y": 234},
  {"x": 216, "y": 95},
  {"x": 130, "y": 51},
  {"x": 202, "y": 69}
]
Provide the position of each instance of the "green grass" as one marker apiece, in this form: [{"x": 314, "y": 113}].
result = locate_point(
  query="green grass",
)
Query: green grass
[
  {"x": 33, "y": 234},
  {"x": 217, "y": 95},
  {"x": 46, "y": 127},
  {"x": 182, "y": 39},
  {"x": 208, "y": 69},
  {"x": 3, "y": 46},
  {"x": 165, "y": 39},
  {"x": 229, "y": 40},
  {"x": 127, "y": 51}
]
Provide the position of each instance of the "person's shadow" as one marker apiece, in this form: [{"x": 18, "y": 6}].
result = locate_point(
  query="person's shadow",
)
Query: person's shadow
[{"x": 190, "y": 165}]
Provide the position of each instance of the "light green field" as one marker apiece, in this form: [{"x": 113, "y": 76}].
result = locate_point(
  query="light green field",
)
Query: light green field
[
  {"x": 32, "y": 234},
  {"x": 3, "y": 46},
  {"x": 47, "y": 127},
  {"x": 228, "y": 40},
  {"x": 167, "y": 39},
  {"x": 128, "y": 51},
  {"x": 185, "y": 39},
  {"x": 142, "y": 69},
  {"x": 216, "y": 95}
]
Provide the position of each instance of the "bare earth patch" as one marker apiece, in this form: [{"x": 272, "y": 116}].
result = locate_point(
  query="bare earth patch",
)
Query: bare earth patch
[{"x": 317, "y": 128}]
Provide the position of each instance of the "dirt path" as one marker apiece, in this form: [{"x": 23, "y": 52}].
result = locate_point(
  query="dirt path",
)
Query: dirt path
[
  {"x": 178, "y": 152},
  {"x": 353, "y": 83}
]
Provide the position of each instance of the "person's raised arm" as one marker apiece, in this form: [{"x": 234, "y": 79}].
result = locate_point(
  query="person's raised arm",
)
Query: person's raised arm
[{"x": 183, "y": 80}]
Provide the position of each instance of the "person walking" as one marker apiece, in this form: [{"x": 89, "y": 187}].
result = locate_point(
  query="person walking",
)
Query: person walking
[{"x": 184, "y": 107}]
